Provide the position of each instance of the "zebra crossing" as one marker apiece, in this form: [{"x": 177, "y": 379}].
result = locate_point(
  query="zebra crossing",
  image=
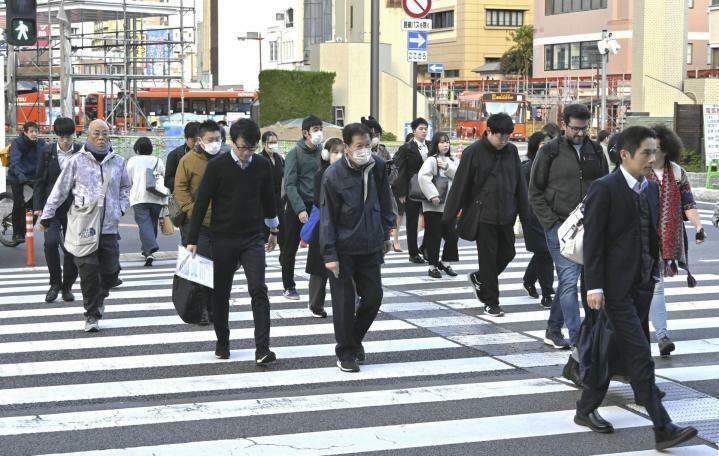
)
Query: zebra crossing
[{"x": 440, "y": 378}]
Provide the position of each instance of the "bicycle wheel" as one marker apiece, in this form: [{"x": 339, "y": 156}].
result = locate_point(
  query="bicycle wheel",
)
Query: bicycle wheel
[{"x": 6, "y": 231}]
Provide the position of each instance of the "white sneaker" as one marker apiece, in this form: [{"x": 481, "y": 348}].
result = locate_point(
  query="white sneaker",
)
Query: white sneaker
[{"x": 91, "y": 325}]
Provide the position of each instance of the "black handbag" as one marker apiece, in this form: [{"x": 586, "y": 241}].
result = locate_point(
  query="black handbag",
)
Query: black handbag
[
  {"x": 176, "y": 214},
  {"x": 441, "y": 183},
  {"x": 189, "y": 299}
]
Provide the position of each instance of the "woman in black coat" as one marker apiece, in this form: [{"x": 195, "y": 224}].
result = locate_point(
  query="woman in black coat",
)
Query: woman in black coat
[
  {"x": 540, "y": 266},
  {"x": 315, "y": 265}
]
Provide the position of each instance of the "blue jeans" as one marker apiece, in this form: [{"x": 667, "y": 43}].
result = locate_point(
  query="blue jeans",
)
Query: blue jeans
[
  {"x": 658, "y": 309},
  {"x": 565, "y": 307},
  {"x": 146, "y": 217}
]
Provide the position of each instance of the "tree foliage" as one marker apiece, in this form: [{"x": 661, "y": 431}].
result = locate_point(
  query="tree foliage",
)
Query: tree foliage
[
  {"x": 518, "y": 59},
  {"x": 295, "y": 94}
]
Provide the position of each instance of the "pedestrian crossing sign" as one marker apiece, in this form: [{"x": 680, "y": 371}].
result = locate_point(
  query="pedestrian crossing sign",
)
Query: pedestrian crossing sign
[{"x": 22, "y": 32}]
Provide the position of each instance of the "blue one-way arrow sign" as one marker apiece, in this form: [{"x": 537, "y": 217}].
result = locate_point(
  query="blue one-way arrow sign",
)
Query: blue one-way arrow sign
[
  {"x": 417, "y": 41},
  {"x": 436, "y": 68}
]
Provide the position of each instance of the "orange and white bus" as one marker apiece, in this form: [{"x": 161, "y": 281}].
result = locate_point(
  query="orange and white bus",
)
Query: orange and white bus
[
  {"x": 35, "y": 107},
  {"x": 162, "y": 106},
  {"x": 476, "y": 107}
]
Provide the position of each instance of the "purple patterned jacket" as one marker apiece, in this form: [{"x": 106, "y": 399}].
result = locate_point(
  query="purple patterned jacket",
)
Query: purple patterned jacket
[{"x": 81, "y": 178}]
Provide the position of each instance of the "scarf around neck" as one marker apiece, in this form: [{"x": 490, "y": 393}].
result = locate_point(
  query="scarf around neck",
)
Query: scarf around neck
[{"x": 671, "y": 225}]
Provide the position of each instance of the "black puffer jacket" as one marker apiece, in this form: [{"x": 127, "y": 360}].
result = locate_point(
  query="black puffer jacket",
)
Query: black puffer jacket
[{"x": 355, "y": 209}]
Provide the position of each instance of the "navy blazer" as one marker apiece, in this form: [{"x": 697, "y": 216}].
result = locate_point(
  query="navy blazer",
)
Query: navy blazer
[{"x": 612, "y": 248}]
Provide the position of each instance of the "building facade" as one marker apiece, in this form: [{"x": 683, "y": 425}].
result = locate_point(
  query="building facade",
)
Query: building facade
[
  {"x": 566, "y": 32},
  {"x": 470, "y": 36}
]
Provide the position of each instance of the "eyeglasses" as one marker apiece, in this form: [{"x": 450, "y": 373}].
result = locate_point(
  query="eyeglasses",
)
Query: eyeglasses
[
  {"x": 578, "y": 129},
  {"x": 251, "y": 149}
]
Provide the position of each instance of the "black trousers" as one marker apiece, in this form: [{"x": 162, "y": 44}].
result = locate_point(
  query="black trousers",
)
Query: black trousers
[
  {"x": 317, "y": 292},
  {"x": 248, "y": 252},
  {"x": 60, "y": 276},
  {"x": 412, "y": 210},
  {"x": 434, "y": 231},
  {"x": 98, "y": 273},
  {"x": 626, "y": 316},
  {"x": 290, "y": 244},
  {"x": 495, "y": 248},
  {"x": 541, "y": 267},
  {"x": 18, "y": 209},
  {"x": 351, "y": 325}
]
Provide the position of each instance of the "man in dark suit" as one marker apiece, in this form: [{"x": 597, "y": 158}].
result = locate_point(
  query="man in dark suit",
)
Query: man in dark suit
[
  {"x": 49, "y": 167},
  {"x": 621, "y": 250},
  {"x": 409, "y": 159}
]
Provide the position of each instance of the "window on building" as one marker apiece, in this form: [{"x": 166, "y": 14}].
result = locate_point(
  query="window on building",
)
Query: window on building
[
  {"x": 548, "y": 58},
  {"x": 352, "y": 16},
  {"x": 574, "y": 56},
  {"x": 279, "y": 16},
  {"x": 561, "y": 56},
  {"x": 715, "y": 58},
  {"x": 394, "y": 3},
  {"x": 504, "y": 18},
  {"x": 572, "y": 6},
  {"x": 581, "y": 55},
  {"x": 442, "y": 19},
  {"x": 690, "y": 51},
  {"x": 290, "y": 18},
  {"x": 709, "y": 56},
  {"x": 451, "y": 73},
  {"x": 273, "y": 51}
]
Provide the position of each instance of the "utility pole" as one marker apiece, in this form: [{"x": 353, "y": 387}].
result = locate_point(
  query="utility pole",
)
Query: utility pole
[
  {"x": 414, "y": 90},
  {"x": 374, "y": 59}
]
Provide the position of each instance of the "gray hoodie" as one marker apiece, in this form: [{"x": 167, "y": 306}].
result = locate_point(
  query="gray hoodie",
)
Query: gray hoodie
[{"x": 82, "y": 179}]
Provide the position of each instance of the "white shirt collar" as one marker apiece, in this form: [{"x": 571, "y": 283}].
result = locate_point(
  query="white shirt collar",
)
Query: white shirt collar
[
  {"x": 631, "y": 181},
  {"x": 237, "y": 159}
]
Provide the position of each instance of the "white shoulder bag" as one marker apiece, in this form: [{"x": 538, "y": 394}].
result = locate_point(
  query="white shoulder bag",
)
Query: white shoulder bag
[
  {"x": 571, "y": 236},
  {"x": 84, "y": 225}
]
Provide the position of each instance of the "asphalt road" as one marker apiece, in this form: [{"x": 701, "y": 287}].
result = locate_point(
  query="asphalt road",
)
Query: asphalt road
[{"x": 441, "y": 378}]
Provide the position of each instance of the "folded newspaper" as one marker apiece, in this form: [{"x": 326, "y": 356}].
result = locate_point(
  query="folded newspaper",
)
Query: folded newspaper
[{"x": 198, "y": 269}]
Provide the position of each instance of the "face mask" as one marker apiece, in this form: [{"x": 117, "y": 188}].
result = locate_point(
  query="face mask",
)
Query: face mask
[
  {"x": 362, "y": 156},
  {"x": 375, "y": 141},
  {"x": 212, "y": 148},
  {"x": 274, "y": 148},
  {"x": 325, "y": 154},
  {"x": 317, "y": 138}
]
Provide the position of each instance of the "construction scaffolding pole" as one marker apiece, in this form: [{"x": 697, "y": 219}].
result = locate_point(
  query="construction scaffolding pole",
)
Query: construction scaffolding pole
[
  {"x": 66, "y": 99},
  {"x": 125, "y": 82},
  {"x": 49, "y": 68}
]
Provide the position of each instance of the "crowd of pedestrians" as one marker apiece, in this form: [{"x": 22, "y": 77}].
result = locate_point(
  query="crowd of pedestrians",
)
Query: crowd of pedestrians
[{"x": 239, "y": 197}]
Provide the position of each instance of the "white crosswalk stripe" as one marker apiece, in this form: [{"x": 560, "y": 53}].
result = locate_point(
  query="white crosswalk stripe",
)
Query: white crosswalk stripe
[{"x": 440, "y": 375}]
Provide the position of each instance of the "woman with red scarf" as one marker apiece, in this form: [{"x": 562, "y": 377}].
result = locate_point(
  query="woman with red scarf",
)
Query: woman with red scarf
[{"x": 676, "y": 204}]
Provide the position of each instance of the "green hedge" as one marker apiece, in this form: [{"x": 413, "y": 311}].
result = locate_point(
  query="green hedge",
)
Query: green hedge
[{"x": 295, "y": 94}]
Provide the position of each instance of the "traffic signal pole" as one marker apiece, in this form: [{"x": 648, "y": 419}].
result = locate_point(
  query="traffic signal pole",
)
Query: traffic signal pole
[{"x": 374, "y": 58}]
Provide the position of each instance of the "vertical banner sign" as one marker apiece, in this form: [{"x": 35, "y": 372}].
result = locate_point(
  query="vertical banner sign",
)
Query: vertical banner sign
[
  {"x": 711, "y": 131},
  {"x": 417, "y": 9}
]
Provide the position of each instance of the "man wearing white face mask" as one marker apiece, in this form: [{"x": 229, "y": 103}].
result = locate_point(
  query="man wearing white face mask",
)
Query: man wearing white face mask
[
  {"x": 190, "y": 172},
  {"x": 301, "y": 165},
  {"x": 271, "y": 151},
  {"x": 355, "y": 222}
]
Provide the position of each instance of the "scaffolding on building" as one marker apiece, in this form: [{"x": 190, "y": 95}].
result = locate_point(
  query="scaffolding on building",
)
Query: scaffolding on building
[
  {"x": 114, "y": 54},
  {"x": 547, "y": 96}
]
